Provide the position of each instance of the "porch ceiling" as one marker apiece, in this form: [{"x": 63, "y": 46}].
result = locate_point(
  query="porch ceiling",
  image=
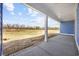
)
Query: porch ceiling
[{"x": 58, "y": 11}]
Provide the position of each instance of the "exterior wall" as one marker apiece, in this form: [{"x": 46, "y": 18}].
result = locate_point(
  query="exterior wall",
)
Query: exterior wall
[{"x": 67, "y": 27}]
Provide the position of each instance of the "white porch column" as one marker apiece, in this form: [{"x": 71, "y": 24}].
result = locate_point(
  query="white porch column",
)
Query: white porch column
[{"x": 46, "y": 29}]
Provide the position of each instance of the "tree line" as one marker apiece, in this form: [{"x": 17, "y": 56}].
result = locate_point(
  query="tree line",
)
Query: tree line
[{"x": 17, "y": 26}]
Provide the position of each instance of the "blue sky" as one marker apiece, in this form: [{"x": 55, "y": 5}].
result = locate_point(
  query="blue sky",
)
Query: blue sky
[{"x": 21, "y": 14}]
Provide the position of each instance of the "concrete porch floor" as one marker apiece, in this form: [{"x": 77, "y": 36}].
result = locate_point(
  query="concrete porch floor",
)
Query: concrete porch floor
[{"x": 60, "y": 45}]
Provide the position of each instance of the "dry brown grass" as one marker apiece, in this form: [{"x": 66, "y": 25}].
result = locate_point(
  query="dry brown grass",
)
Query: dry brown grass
[
  {"x": 16, "y": 45},
  {"x": 13, "y": 46}
]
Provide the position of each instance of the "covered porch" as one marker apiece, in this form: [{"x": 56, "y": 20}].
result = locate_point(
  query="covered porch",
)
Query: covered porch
[
  {"x": 61, "y": 45},
  {"x": 64, "y": 44}
]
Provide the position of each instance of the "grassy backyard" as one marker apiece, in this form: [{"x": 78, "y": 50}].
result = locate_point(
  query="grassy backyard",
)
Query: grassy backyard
[
  {"x": 22, "y": 34},
  {"x": 17, "y": 40}
]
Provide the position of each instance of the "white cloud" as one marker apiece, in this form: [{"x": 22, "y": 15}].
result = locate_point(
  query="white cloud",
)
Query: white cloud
[
  {"x": 12, "y": 13},
  {"x": 39, "y": 21},
  {"x": 19, "y": 13},
  {"x": 53, "y": 23},
  {"x": 9, "y": 6},
  {"x": 32, "y": 12}
]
